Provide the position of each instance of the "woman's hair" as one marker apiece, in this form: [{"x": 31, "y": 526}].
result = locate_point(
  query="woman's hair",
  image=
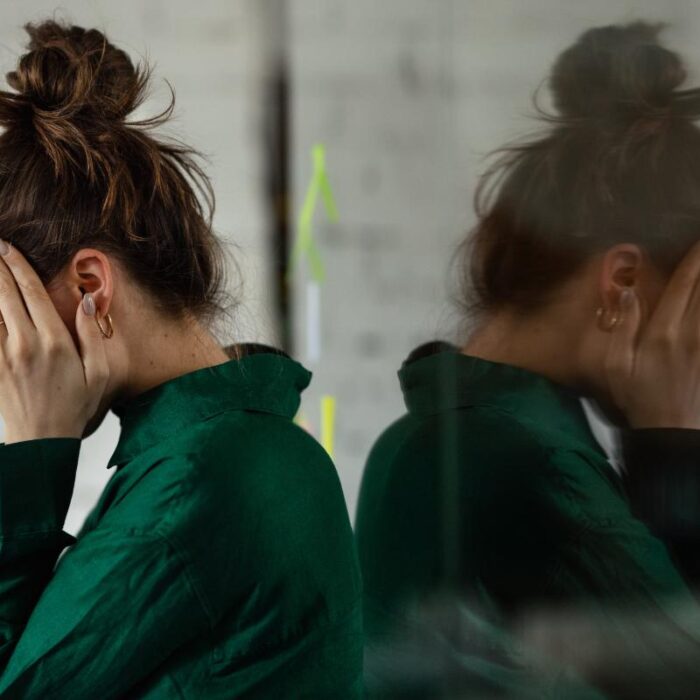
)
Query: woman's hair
[
  {"x": 75, "y": 172},
  {"x": 619, "y": 162}
]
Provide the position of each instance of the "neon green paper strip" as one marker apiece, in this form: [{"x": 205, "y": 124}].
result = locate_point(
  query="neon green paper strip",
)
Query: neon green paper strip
[
  {"x": 328, "y": 424},
  {"x": 305, "y": 242}
]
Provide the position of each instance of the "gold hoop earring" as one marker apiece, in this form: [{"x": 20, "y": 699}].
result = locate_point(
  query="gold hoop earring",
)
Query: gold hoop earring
[
  {"x": 609, "y": 325},
  {"x": 110, "y": 329}
]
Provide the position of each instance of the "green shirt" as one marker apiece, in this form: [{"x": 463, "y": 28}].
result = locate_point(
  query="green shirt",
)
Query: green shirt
[
  {"x": 218, "y": 562},
  {"x": 494, "y": 486}
]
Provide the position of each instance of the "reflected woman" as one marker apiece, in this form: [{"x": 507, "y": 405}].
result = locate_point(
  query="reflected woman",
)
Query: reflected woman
[
  {"x": 585, "y": 282},
  {"x": 218, "y": 561}
]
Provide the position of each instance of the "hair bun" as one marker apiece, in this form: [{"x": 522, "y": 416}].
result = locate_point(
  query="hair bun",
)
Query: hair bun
[
  {"x": 68, "y": 69},
  {"x": 616, "y": 71}
]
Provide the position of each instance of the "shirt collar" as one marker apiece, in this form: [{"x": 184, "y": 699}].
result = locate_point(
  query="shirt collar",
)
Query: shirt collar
[
  {"x": 438, "y": 376},
  {"x": 265, "y": 381}
]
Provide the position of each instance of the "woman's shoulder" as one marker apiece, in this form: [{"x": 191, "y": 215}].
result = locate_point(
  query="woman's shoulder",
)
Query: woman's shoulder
[
  {"x": 232, "y": 462},
  {"x": 473, "y": 428},
  {"x": 252, "y": 444},
  {"x": 484, "y": 442}
]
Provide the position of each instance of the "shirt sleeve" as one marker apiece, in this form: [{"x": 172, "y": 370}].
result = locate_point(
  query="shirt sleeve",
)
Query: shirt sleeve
[
  {"x": 563, "y": 532},
  {"x": 621, "y": 555},
  {"x": 96, "y": 624},
  {"x": 36, "y": 485},
  {"x": 663, "y": 483},
  {"x": 616, "y": 595}
]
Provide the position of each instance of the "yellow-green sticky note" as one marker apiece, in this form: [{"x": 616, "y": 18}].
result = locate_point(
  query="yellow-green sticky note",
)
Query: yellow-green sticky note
[{"x": 328, "y": 423}]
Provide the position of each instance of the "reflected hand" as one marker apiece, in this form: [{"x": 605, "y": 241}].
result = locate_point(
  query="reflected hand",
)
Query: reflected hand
[{"x": 653, "y": 372}]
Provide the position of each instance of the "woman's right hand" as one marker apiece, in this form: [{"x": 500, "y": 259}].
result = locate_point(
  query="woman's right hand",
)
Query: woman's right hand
[{"x": 653, "y": 371}]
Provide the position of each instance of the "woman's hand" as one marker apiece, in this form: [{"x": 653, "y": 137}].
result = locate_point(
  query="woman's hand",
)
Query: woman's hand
[
  {"x": 654, "y": 372},
  {"x": 48, "y": 388}
]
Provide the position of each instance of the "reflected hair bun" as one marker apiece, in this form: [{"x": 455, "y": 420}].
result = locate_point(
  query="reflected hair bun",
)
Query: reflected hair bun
[{"x": 616, "y": 71}]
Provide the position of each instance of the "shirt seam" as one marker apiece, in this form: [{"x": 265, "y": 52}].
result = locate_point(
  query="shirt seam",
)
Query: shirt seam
[
  {"x": 169, "y": 673},
  {"x": 296, "y": 632},
  {"x": 587, "y": 524},
  {"x": 158, "y": 535},
  {"x": 194, "y": 588}
]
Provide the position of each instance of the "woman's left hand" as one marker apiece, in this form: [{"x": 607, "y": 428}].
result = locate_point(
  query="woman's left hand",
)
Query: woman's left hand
[{"x": 48, "y": 386}]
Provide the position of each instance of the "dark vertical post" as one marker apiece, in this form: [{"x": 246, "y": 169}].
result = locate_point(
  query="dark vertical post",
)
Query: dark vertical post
[{"x": 277, "y": 164}]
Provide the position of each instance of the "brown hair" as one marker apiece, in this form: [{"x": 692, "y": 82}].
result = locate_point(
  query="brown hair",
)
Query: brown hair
[
  {"x": 619, "y": 162},
  {"x": 74, "y": 172}
]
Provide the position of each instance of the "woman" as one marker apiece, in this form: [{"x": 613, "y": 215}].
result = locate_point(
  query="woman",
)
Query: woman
[
  {"x": 219, "y": 560},
  {"x": 585, "y": 282}
]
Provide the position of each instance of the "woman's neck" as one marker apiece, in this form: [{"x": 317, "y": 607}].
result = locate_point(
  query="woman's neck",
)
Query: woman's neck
[
  {"x": 533, "y": 343},
  {"x": 167, "y": 351}
]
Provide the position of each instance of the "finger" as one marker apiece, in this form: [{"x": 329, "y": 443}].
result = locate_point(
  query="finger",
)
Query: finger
[
  {"x": 679, "y": 290},
  {"x": 12, "y": 308},
  {"x": 33, "y": 293},
  {"x": 92, "y": 349},
  {"x": 624, "y": 336},
  {"x": 691, "y": 315}
]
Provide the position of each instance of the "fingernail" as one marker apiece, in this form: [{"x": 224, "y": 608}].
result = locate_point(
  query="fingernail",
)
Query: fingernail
[
  {"x": 4, "y": 247},
  {"x": 89, "y": 305},
  {"x": 626, "y": 296}
]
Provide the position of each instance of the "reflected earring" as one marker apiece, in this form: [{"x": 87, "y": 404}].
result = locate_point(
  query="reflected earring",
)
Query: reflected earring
[
  {"x": 607, "y": 324},
  {"x": 109, "y": 332}
]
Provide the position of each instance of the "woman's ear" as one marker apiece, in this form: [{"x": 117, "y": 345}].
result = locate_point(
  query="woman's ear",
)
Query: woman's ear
[
  {"x": 622, "y": 266},
  {"x": 90, "y": 270}
]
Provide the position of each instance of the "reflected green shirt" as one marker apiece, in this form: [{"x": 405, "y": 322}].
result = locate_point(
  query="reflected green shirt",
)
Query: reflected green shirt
[
  {"x": 218, "y": 562},
  {"x": 493, "y": 485}
]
